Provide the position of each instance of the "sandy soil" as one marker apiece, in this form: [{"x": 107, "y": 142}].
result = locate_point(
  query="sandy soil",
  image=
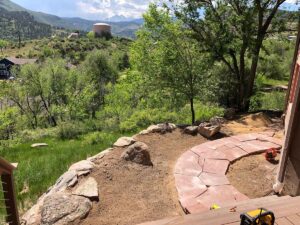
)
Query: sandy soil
[
  {"x": 258, "y": 122},
  {"x": 253, "y": 175},
  {"x": 132, "y": 194}
]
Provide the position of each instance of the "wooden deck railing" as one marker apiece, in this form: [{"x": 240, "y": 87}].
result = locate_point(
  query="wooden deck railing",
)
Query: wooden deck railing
[{"x": 8, "y": 204}]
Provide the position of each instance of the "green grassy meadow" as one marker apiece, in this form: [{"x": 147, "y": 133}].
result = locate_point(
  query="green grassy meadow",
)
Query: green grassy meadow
[{"x": 39, "y": 168}]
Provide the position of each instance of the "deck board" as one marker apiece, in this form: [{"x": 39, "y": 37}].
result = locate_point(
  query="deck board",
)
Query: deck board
[
  {"x": 295, "y": 219},
  {"x": 286, "y": 210},
  {"x": 283, "y": 221}
]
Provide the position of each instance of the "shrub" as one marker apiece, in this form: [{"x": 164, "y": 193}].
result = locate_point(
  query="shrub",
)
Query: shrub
[
  {"x": 268, "y": 101},
  {"x": 98, "y": 138},
  {"x": 68, "y": 130},
  {"x": 32, "y": 135}
]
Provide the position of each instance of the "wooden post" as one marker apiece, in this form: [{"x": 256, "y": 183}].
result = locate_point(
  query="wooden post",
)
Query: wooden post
[{"x": 10, "y": 199}]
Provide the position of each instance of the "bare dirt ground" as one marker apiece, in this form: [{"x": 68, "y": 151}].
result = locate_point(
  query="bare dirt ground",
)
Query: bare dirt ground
[
  {"x": 131, "y": 194},
  {"x": 253, "y": 175}
]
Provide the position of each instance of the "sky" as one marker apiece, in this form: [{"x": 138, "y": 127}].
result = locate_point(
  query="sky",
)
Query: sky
[
  {"x": 89, "y": 9},
  {"x": 99, "y": 9}
]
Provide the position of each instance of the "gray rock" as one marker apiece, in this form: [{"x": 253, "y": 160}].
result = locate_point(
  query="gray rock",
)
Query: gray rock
[
  {"x": 83, "y": 167},
  {"x": 33, "y": 215},
  {"x": 61, "y": 209},
  {"x": 160, "y": 128},
  {"x": 192, "y": 130},
  {"x": 217, "y": 120},
  {"x": 124, "y": 141},
  {"x": 68, "y": 179},
  {"x": 208, "y": 130},
  {"x": 137, "y": 153},
  {"x": 88, "y": 188},
  {"x": 39, "y": 145},
  {"x": 100, "y": 155}
]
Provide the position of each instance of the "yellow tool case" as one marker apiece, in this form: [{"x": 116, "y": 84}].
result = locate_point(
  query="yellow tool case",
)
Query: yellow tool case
[{"x": 258, "y": 217}]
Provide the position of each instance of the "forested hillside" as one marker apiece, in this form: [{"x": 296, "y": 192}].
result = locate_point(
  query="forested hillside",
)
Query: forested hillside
[
  {"x": 15, "y": 23},
  {"x": 123, "y": 29}
]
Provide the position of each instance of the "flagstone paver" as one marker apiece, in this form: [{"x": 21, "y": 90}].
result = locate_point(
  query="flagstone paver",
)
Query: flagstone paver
[{"x": 200, "y": 173}]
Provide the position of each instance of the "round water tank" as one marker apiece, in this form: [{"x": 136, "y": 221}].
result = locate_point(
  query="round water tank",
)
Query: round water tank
[{"x": 101, "y": 29}]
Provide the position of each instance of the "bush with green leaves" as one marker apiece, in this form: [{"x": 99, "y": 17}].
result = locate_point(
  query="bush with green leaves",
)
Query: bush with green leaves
[{"x": 95, "y": 138}]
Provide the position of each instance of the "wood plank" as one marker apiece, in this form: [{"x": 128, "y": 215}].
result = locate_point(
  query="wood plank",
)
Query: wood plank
[
  {"x": 282, "y": 208},
  {"x": 295, "y": 219},
  {"x": 219, "y": 217},
  {"x": 283, "y": 221}
]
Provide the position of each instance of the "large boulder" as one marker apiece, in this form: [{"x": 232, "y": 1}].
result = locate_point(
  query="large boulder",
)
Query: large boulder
[
  {"x": 82, "y": 167},
  {"x": 208, "y": 130},
  {"x": 61, "y": 209},
  {"x": 124, "y": 141},
  {"x": 33, "y": 215},
  {"x": 88, "y": 189},
  {"x": 137, "y": 153},
  {"x": 192, "y": 130}
]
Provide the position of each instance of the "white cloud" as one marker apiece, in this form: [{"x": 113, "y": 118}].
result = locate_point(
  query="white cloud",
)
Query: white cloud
[{"x": 109, "y": 8}]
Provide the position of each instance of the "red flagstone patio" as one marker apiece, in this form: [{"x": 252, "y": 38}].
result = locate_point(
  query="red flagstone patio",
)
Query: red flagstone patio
[{"x": 200, "y": 173}]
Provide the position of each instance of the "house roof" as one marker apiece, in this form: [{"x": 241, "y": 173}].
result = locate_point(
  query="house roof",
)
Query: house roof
[{"x": 19, "y": 61}]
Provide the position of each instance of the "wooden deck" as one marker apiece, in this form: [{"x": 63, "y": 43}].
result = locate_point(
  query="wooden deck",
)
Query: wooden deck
[{"x": 286, "y": 210}]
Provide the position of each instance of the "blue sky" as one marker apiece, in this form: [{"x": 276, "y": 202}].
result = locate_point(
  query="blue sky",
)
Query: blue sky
[
  {"x": 98, "y": 9},
  {"x": 89, "y": 9}
]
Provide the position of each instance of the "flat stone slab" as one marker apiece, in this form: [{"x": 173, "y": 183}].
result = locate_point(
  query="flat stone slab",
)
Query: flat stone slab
[
  {"x": 211, "y": 179},
  {"x": 99, "y": 155},
  {"x": 220, "y": 195},
  {"x": 88, "y": 188},
  {"x": 82, "y": 167},
  {"x": 215, "y": 166},
  {"x": 234, "y": 153},
  {"x": 200, "y": 173},
  {"x": 68, "y": 179},
  {"x": 189, "y": 164},
  {"x": 187, "y": 185},
  {"x": 39, "y": 145}
]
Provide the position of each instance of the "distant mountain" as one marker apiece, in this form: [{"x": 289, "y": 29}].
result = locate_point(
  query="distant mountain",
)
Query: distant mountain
[
  {"x": 120, "y": 28},
  {"x": 21, "y": 24}
]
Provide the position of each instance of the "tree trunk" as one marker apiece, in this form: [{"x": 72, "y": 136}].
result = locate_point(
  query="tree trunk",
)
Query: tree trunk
[
  {"x": 192, "y": 110},
  {"x": 252, "y": 76}
]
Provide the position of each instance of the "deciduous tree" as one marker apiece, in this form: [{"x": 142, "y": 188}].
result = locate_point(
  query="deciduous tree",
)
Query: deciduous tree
[{"x": 233, "y": 31}]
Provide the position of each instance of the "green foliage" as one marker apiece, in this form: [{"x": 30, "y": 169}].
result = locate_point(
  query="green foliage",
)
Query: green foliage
[
  {"x": 268, "y": 101},
  {"x": 98, "y": 138},
  {"x": 168, "y": 57},
  {"x": 275, "y": 60},
  {"x": 39, "y": 168},
  {"x": 233, "y": 32},
  {"x": 99, "y": 71},
  {"x": 19, "y": 23},
  {"x": 8, "y": 122},
  {"x": 91, "y": 35},
  {"x": 3, "y": 44}
]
